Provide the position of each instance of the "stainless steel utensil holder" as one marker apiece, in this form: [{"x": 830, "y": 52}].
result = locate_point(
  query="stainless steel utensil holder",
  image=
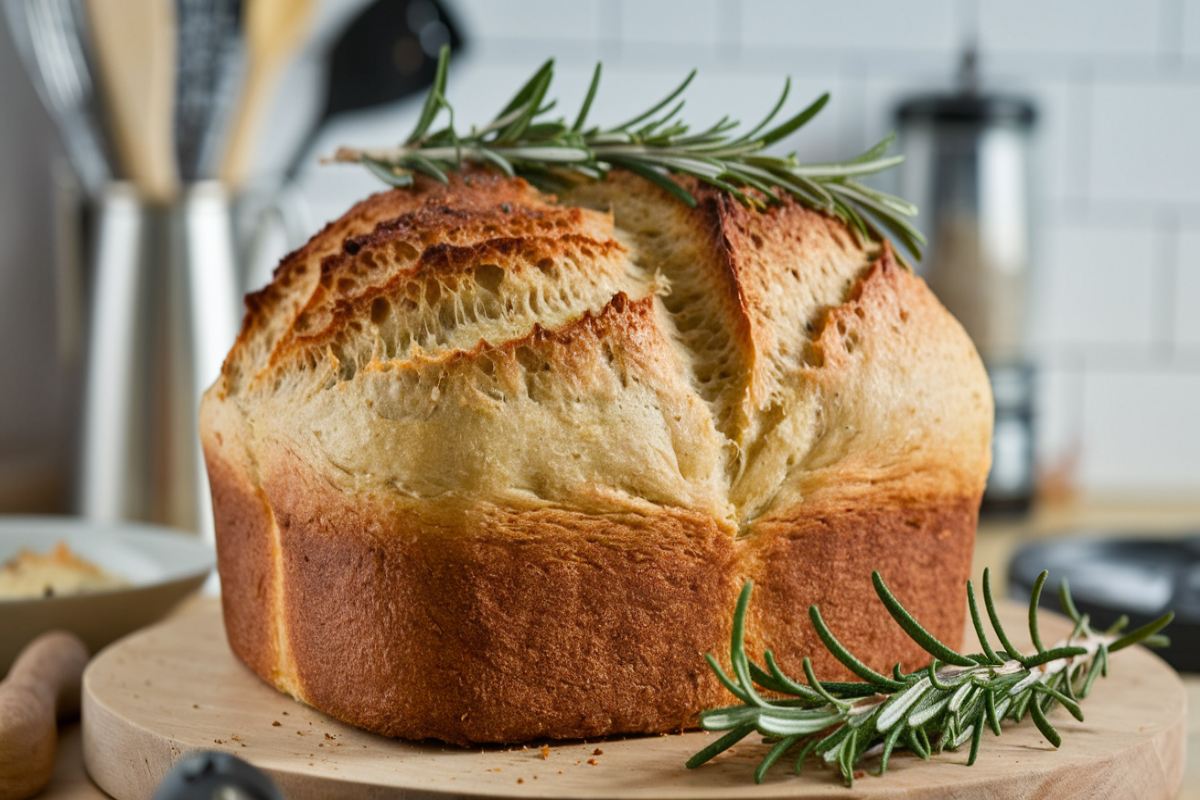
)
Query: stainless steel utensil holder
[{"x": 164, "y": 312}]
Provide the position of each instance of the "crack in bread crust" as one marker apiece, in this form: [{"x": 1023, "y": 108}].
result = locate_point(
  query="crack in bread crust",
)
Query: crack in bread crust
[{"x": 471, "y": 434}]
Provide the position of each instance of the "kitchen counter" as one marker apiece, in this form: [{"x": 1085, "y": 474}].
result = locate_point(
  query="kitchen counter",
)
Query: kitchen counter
[{"x": 997, "y": 541}]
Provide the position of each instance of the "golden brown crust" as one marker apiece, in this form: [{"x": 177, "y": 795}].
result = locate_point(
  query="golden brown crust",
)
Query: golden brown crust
[
  {"x": 824, "y": 554},
  {"x": 246, "y": 562},
  {"x": 492, "y": 625},
  {"x": 487, "y": 467}
]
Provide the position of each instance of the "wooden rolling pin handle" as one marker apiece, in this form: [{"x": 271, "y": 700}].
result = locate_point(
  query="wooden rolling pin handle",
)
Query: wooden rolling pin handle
[{"x": 41, "y": 688}]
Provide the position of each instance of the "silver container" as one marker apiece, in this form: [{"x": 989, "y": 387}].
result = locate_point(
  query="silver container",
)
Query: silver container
[
  {"x": 164, "y": 312},
  {"x": 969, "y": 168}
]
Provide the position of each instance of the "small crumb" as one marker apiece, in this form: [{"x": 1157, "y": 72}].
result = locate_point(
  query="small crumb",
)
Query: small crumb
[
  {"x": 545, "y": 752},
  {"x": 560, "y": 772},
  {"x": 195, "y": 705},
  {"x": 535, "y": 777},
  {"x": 310, "y": 763},
  {"x": 328, "y": 737},
  {"x": 860, "y": 774},
  {"x": 285, "y": 713},
  {"x": 520, "y": 780},
  {"x": 597, "y": 752},
  {"x": 1141, "y": 727},
  {"x": 218, "y": 741},
  {"x": 593, "y": 762},
  {"x": 320, "y": 744},
  {"x": 276, "y": 724}
]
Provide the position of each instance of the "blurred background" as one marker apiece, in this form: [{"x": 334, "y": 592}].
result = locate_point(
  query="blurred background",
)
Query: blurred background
[{"x": 1111, "y": 322}]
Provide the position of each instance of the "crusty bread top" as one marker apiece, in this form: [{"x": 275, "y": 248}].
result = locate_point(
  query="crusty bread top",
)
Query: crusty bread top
[{"x": 612, "y": 350}]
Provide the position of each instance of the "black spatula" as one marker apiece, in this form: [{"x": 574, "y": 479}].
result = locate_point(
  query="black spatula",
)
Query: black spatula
[{"x": 388, "y": 53}]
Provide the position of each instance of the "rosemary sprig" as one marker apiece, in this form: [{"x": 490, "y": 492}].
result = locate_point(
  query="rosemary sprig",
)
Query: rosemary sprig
[
  {"x": 941, "y": 707},
  {"x": 551, "y": 152}
]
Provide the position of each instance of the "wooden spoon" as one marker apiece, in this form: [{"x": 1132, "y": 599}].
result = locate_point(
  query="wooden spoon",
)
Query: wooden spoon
[
  {"x": 274, "y": 30},
  {"x": 41, "y": 688},
  {"x": 135, "y": 45}
]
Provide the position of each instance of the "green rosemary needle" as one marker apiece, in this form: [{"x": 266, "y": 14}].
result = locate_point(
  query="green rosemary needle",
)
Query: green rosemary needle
[
  {"x": 942, "y": 707},
  {"x": 552, "y": 153}
]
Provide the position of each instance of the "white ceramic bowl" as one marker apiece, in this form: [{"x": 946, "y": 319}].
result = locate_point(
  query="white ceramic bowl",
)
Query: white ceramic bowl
[{"x": 162, "y": 566}]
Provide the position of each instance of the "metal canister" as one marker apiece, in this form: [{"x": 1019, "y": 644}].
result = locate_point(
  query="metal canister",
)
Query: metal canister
[{"x": 970, "y": 170}]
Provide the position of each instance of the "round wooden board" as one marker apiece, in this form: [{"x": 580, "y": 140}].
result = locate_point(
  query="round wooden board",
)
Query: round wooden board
[{"x": 176, "y": 688}]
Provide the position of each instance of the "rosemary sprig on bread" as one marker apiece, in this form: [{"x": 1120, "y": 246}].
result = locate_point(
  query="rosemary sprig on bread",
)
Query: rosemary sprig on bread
[
  {"x": 941, "y": 707},
  {"x": 552, "y": 152}
]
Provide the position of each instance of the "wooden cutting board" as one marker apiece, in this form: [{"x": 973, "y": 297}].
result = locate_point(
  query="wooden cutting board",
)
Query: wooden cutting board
[{"x": 176, "y": 688}]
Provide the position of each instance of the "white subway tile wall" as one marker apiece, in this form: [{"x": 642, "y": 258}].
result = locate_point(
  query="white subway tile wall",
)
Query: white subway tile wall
[
  {"x": 1141, "y": 433},
  {"x": 1143, "y": 142},
  {"x": 1095, "y": 288},
  {"x": 1187, "y": 290},
  {"x": 1115, "y": 322},
  {"x": 669, "y": 21},
  {"x": 1190, "y": 28},
  {"x": 1105, "y": 28},
  {"x": 849, "y": 25}
]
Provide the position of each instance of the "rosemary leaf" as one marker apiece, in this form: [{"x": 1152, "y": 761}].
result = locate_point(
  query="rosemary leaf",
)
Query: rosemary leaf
[
  {"x": 770, "y": 758},
  {"x": 843, "y": 655},
  {"x": 587, "y": 101},
  {"x": 914, "y": 629},
  {"x": 720, "y": 745},
  {"x": 1034, "y": 598},
  {"x": 1142, "y": 633},
  {"x": 1064, "y": 600}
]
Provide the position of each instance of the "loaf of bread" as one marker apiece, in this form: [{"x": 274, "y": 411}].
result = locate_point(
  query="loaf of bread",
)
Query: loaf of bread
[{"x": 490, "y": 465}]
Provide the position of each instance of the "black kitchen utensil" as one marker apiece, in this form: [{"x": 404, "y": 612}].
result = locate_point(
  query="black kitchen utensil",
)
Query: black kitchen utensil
[
  {"x": 1140, "y": 577},
  {"x": 388, "y": 53},
  {"x": 210, "y": 774},
  {"x": 209, "y": 61}
]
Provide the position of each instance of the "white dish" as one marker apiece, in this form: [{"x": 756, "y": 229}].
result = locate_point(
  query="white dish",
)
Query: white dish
[{"x": 162, "y": 566}]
